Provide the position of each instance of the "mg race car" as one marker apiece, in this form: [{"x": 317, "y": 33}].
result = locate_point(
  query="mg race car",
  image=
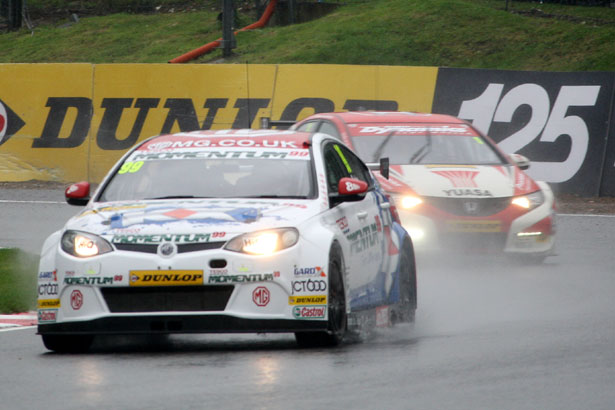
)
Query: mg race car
[
  {"x": 228, "y": 231},
  {"x": 455, "y": 189}
]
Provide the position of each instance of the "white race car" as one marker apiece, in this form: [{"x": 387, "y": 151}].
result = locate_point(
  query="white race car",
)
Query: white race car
[
  {"x": 455, "y": 189},
  {"x": 228, "y": 231}
]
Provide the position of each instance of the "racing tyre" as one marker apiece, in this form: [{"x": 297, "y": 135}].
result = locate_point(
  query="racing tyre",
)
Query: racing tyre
[
  {"x": 68, "y": 343},
  {"x": 407, "y": 285},
  {"x": 338, "y": 317}
]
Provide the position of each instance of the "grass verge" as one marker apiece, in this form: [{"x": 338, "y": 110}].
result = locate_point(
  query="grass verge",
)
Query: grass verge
[
  {"x": 18, "y": 277},
  {"x": 445, "y": 33}
]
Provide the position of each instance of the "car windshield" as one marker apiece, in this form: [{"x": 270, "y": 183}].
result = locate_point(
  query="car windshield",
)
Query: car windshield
[
  {"x": 426, "y": 148},
  {"x": 210, "y": 178}
]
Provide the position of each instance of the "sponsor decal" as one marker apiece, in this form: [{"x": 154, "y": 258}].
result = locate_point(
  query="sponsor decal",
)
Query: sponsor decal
[
  {"x": 242, "y": 267},
  {"x": 467, "y": 192},
  {"x": 48, "y": 303},
  {"x": 48, "y": 289},
  {"x": 112, "y": 209},
  {"x": 158, "y": 239},
  {"x": 76, "y": 299},
  {"x": 309, "y": 312},
  {"x": 364, "y": 238},
  {"x": 226, "y": 154},
  {"x": 52, "y": 275},
  {"x": 307, "y": 300},
  {"x": 414, "y": 130},
  {"x": 316, "y": 270},
  {"x": 47, "y": 315},
  {"x": 199, "y": 215},
  {"x": 261, "y": 296},
  {"x": 88, "y": 281},
  {"x": 184, "y": 141},
  {"x": 342, "y": 223},
  {"x": 473, "y": 226},
  {"x": 459, "y": 179},
  {"x": 309, "y": 285},
  {"x": 350, "y": 186},
  {"x": 255, "y": 277},
  {"x": 165, "y": 278}
]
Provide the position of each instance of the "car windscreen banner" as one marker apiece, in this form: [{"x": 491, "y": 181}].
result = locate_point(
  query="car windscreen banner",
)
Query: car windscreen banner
[{"x": 558, "y": 120}]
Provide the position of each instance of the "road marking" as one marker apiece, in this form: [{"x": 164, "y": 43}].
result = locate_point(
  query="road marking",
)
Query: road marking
[
  {"x": 10, "y": 201},
  {"x": 586, "y": 215}
]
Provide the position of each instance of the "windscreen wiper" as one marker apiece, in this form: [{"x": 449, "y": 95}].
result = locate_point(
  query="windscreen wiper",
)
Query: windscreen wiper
[
  {"x": 423, "y": 151},
  {"x": 176, "y": 197},
  {"x": 276, "y": 196},
  {"x": 380, "y": 148}
]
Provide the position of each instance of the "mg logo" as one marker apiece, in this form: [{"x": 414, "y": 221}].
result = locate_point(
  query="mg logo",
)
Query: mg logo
[{"x": 261, "y": 296}]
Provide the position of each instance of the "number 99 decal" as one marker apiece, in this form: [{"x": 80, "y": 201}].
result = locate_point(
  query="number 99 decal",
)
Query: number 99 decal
[{"x": 547, "y": 123}]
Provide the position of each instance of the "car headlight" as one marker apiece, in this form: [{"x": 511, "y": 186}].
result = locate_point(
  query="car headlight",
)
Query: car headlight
[
  {"x": 264, "y": 242},
  {"x": 410, "y": 201},
  {"x": 529, "y": 201},
  {"x": 84, "y": 245}
]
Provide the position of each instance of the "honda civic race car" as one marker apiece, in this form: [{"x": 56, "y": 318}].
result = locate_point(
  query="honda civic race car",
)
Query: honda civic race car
[
  {"x": 455, "y": 189},
  {"x": 228, "y": 231}
]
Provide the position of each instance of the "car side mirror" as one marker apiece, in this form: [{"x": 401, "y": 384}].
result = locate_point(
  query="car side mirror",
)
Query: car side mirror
[
  {"x": 520, "y": 160},
  {"x": 78, "y": 193},
  {"x": 349, "y": 190},
  {"x": 382, "y": 167}
]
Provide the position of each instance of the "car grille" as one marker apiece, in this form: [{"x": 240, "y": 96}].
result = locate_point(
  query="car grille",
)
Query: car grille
[
  {"x": 484, "y": 242},
  {"x": 181, "y": 248},
  {"x": 469, "y": 206},
  {"x": 167, "y": 298}
]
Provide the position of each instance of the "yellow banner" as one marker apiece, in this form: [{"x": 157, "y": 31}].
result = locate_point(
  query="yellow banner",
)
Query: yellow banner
[{"x": 69, "y": 122}]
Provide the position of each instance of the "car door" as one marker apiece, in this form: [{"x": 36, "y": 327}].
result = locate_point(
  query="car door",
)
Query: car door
[{"x": 363, "y": 234}]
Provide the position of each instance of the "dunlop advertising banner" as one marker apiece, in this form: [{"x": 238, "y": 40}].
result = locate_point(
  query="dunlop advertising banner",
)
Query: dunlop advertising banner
[
  {"x": 44, "y": 118},
  {"x": 69, "y": 122}
]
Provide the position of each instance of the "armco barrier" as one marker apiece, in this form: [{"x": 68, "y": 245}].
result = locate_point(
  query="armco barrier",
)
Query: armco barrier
[{"x": 67, "y": 122}]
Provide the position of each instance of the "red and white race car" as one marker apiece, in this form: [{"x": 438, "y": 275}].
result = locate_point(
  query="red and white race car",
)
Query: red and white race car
[{"x": 453, "y": 187}]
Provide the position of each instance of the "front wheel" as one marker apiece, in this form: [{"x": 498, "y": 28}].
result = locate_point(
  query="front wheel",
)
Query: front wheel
[
  {"x": 406, "y": 308},
  {"x": 338, "y": 317}
]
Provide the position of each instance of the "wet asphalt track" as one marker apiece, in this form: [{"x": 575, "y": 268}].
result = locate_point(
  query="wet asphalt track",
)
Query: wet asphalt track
[{"x": 488, "y": 336}]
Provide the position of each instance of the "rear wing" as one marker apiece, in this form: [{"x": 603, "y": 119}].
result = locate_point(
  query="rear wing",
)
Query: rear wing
[
  {"x": 267, "y": 123},
  {"x": 382, "y": 167}
]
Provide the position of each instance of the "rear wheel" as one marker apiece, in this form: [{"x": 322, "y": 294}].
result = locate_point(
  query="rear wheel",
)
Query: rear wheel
[
  {"x": 68, "y": 343},
  {"x": 338, "y": 318}
]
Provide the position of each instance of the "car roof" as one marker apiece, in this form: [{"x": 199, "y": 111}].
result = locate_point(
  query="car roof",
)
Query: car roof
[
  {"x": 356, "y": 117},
  {"x": 264, "y": 138}
]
